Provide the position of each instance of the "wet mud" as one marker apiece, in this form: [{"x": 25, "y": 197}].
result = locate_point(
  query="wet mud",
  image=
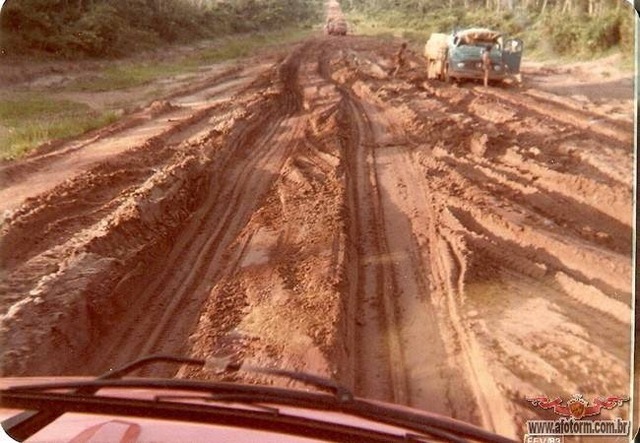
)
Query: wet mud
[{"x": 448, "y": 247}]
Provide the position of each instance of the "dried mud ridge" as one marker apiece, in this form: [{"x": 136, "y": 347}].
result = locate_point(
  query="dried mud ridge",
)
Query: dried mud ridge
[{"x": 447, "y": 247}]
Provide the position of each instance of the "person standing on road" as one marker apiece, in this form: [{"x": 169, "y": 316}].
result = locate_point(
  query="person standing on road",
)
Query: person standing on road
[
  {"x": 400, "y": 58},
  {"x": 486, "y": 64}
]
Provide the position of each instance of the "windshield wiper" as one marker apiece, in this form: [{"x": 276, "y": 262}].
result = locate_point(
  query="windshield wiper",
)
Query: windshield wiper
[
  {"x": 204, "y": 414},
  {"x": 420, "y": 426},
  {"x": 226, "y": 365},
  {"x": 29, "y": 422}
]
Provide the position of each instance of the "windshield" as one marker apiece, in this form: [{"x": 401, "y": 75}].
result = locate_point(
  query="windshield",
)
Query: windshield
[{"x": 312, "y": 186}]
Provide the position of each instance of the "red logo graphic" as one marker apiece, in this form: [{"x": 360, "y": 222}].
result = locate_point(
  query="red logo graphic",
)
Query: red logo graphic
[{"x": 577, "y": 407}]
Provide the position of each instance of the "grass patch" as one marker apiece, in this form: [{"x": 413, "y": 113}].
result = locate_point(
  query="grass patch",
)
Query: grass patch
[
  {"x": 125, "y": 75},
  {"x": 247, "y": 45},
  {"x": 228, "y": 51},
  {"x": 128, "y": 76},
  {"x": 29, "y": 121}
]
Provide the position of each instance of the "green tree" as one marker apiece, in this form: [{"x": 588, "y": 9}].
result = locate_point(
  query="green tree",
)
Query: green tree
[{"x": 96, "y": 28}]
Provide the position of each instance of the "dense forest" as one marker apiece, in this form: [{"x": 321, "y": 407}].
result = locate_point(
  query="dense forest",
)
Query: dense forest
[
  {"x": 71, "y": 28},
  {"x": 98, "y": 28}
]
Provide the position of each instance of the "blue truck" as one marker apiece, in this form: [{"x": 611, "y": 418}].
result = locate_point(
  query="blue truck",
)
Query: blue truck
[{"x": 459, "y": 55}]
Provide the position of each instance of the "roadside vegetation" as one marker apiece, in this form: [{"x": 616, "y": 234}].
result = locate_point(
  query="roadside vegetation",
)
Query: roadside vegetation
[
  {"x": 29, "y": 120},
  {"x": 136, "y": 43},
  {"x": 138, "y": 71},
  {"x": 31, "y": 116},
  {"x": 566, "y": 29},
  {"x": 104, "y": 28}
]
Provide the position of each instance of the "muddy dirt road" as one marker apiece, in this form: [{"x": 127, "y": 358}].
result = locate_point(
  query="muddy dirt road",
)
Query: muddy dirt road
[{"x": 449, "y": 247}]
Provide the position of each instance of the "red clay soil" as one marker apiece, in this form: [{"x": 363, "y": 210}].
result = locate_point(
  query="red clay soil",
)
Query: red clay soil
[{"x": 448, "y": 247}]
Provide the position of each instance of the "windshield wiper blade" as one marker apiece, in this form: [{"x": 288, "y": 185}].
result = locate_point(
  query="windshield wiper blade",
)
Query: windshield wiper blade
[
  {"x": 229, "y": 398},
  {"x": 28, "y": 423},
  {"x": 341, "y": 399},
  {"x": 226, "y": 365},
  {"x": 419, "y": 427}
]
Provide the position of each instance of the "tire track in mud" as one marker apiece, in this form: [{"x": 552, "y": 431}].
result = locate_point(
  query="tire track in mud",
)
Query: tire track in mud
[
  {"x": 545, "y": 203},
  {"x": 601, "y": 126},
  {"x": 419, "y": 281},
  {"x": 585, "y": 172},
  {"x": 151, "y": 138},
  {"x": 598, "y": 247},
  {"x": 376, "y": 285},
  {"x": 59, "y": 161},
  {"x": 400, "y": 282},
  {"x": 543, "y": 226},
  {"x": 375, "y": 349},
  {"x": 551, "y": 207},
  {"x": 280, "y": 282},
  {"x": 513, "y": 193},
  {"x": 110, "y": 285},
  {"x": 251, "y": 161}
]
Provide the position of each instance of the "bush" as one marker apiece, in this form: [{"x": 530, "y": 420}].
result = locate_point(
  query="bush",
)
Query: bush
[
  {"x": 98, "y": 32},
  {"x": 106, "y": 28},
  {"x": 587, "y": 36},
  {"x": 549, "y": 34},
  {"x": 604, "y": 34},
  {"x": 563, "y": 34}
]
